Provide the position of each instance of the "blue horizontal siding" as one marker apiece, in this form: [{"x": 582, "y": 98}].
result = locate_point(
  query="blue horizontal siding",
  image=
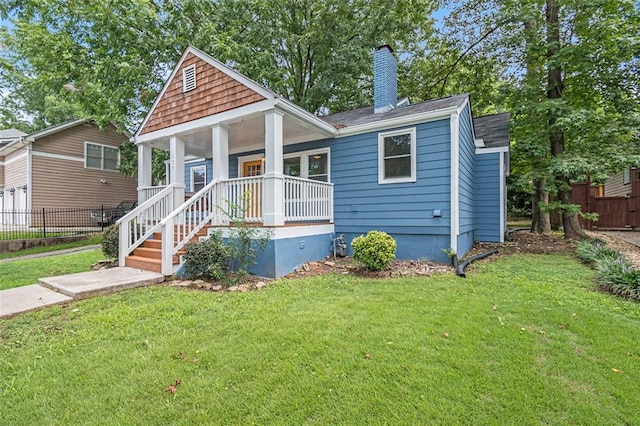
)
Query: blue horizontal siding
[
  {"x": 487, "y": 204},
  {"x": 404, "y": 210},
  {"x": 187, "y": 172}
]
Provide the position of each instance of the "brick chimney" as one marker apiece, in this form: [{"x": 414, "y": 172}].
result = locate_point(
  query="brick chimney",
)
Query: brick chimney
[{"x": 385, "y": 80}]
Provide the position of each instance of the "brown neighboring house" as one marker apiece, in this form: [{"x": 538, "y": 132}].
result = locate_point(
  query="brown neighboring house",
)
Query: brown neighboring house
[
  {"x": 617, "y": 202},
  {"x": 73, "y": 164}
]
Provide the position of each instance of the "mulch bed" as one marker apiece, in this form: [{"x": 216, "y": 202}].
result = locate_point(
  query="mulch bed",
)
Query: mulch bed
[{"x": 521, "y": 241}]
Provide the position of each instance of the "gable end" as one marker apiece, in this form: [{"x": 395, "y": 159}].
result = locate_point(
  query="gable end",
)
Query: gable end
[{"x": 213, "y": 91}]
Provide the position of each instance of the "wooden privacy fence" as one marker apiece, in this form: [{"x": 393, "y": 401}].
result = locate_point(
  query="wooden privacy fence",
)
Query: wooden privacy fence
[{"x": 614, "y": 212}]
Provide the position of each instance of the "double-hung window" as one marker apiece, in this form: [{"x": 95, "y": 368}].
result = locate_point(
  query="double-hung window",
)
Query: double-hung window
[
  {"x": 397, "y": 156},
  {"x": 198, "y": 178},
  {"x": 308, "y": 164},
  {"x": 101, "y": 157},
  {"x": 626, "y": 176}
]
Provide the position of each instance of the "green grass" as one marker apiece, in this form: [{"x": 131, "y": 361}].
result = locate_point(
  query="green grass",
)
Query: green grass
[
  {"x": 25, "y": 235},
  {"x": 24, "y": 272},
  {"x": 528, "y": 342},
  {"x": 34, "y": 250}
]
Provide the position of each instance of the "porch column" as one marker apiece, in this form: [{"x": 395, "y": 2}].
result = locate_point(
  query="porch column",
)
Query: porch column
[
  {"x": 220, "y": 150},
  {"x": 176, "y": 169},
  {"x": 144, "y": 170},
  {"x": 273, "y": 200}
]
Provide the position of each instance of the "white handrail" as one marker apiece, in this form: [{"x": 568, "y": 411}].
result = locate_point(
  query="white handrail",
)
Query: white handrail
[{"x": 140, "y": 223}]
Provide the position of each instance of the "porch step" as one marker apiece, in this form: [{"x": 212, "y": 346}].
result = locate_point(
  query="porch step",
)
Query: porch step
[
  {"x": 200, "y": 233},
  {"x": 145, "y": 263},
  {"x": 154, "y": 244},
  {"x": 155, "y": 253}
]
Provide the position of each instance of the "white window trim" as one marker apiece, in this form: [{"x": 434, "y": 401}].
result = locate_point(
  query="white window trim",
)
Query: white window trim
[
  {"x": 101, "y": 158},
  {"x": 381, "y": 136},
  {"x": 304, "y": 160},
  {"x": 626, "y": 176},
  {"x": 185, "y": 70},
  {"x": 191, "y": 172}
]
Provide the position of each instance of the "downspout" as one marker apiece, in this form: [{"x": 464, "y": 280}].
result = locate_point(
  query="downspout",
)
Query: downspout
[
  {"x": 455, "y": 171},
  {"x": 503, "y": 197}
]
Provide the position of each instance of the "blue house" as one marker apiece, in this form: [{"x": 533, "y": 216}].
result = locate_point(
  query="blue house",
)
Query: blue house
[{"x": 429, "y": 174}]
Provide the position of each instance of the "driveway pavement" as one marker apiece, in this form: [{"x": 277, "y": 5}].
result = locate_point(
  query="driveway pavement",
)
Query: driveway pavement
[{"x": 632, "y": 237}]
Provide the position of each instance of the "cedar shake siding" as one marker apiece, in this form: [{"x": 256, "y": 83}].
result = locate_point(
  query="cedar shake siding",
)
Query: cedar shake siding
[
  {"x": 614, "y": 187},
  {"x": 60, "y": 178},
  {"x": 215, "y": 92}
]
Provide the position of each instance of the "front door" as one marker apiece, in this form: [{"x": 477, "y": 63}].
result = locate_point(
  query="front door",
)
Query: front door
[{"x": 252, "y": 191}]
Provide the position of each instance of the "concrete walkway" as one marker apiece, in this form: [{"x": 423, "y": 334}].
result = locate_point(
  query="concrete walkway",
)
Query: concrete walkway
[
  {"x": 65, "y": 288},
  {"x": 52, "y": 253}
]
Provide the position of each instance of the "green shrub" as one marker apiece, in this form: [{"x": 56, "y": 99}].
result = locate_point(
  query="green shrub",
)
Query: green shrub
[
  {"x": 376, "y": 250},
  {"x": 245, "y": 242},
  {"x": 618, "y": 276},
  {"x": 591, "y": 250},
  {"x": 111, "y": 242},
  {"x": 207, "y": 259},
  {"x": 614, "y": 272}
]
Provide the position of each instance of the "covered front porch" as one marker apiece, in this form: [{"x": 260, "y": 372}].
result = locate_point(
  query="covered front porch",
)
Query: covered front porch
[{"x": 173, "y": 215}]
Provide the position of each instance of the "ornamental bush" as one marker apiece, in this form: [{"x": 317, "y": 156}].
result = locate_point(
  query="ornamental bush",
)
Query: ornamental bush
[
  {"x": 207, "y": 259},
  {"x": 375, "y": 250},
  {"x": 615, "y": 273},
  {"x": 111, "y": 242}
]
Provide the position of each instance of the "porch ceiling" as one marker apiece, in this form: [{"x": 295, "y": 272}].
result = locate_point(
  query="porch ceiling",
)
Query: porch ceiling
[{"x": 246, "y": 134}]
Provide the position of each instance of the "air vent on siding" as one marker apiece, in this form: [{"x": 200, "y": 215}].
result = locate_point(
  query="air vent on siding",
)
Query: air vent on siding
[{"x": 189, "y": 78}]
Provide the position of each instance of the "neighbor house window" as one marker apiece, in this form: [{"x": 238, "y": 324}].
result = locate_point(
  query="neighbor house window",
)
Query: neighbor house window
[
  {"x": 101, "y": 157},
  {"x": 189, "y": 78},
  {"x": 626, "y": 176},
  {"x": 198, "y": 178},
  {"x": 397, "y": 156},
  {"x": 308, "y": 164}
]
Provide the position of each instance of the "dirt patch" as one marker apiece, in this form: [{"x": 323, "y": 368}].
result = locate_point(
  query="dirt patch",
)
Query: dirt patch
[
  {"x": 346, "y": 265},
  {"x": 631, "y": 251}
]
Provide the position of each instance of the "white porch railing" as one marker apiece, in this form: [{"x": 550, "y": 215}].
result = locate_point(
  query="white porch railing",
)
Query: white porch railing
[
  {"x": 243, "y": 198},
  {"x": 307, "y": 200},
  {"x": 147, "y": 192},
  {"x": 216, "y": 204},
  {"x": 141, "y": 222}
]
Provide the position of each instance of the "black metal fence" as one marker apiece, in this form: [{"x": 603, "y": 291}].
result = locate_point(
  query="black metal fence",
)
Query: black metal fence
[{"x": 49, "y": 223}]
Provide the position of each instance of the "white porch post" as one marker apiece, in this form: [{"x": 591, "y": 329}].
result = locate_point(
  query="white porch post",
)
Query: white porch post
[
  {"x": 220, "y": 150},
  {"x": 144, "y": 170},
  {"x": 176, "y": 169},
  {"x": 273, "y": 200}
]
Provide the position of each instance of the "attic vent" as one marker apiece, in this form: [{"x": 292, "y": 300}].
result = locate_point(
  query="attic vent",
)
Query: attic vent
[{"x": 189, "y": 78}]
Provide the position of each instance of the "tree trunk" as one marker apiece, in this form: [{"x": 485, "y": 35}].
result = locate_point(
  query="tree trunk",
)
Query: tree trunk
[
  {"x": 540, "y": 221},
  {"x": 572, "y": 229}
]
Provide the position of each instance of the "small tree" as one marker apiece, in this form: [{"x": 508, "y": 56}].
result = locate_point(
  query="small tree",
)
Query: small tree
[{"x": 245, "y": 241}]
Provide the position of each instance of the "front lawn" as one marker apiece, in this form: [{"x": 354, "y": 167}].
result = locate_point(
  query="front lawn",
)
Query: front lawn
[
  {"x": 24, "y": 272},
  {"x": 96, "y": 239},
  {"x": 523, "y": 340}
]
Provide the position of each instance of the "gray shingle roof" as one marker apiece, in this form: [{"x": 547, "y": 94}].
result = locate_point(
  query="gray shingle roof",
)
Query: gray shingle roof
[
  {"x": 11, "y": 134},
  {"x": 366, "y": 115},
  {"x": 493, "y": 129}
]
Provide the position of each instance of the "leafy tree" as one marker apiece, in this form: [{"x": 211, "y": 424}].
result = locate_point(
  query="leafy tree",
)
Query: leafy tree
[
  {"x": 108, "y": 60},
  {"x": 576, "y": 100}
]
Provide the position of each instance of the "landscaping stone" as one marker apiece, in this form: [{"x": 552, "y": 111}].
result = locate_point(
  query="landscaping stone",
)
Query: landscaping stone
[
  {"x": 233, "y": 288},
  {"x": 260, "y": 284},
  {"x": 244, "y": 287}
]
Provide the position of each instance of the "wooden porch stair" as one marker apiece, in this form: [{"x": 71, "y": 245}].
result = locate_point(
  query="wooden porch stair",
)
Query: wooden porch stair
[{"x": 148, "y": 256}]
